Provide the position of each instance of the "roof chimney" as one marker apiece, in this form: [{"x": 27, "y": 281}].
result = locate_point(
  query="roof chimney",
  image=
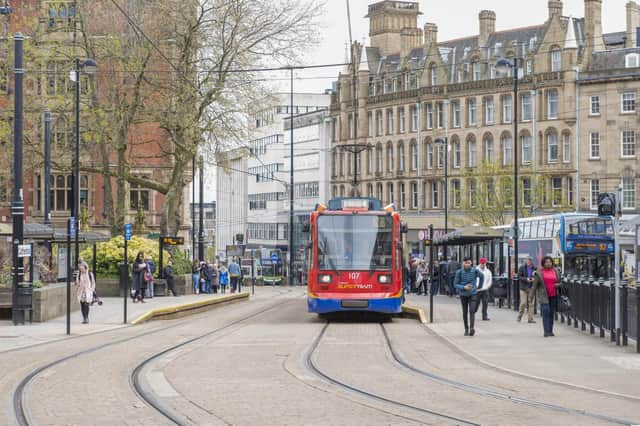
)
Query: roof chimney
[
  {"x": 593, "y": 25},
  {"x": 430, "y": 33},
  {"x": 487, "y": 26},
  {"x": 555, "y": 8},
  {"x": 633, "y": 23}
]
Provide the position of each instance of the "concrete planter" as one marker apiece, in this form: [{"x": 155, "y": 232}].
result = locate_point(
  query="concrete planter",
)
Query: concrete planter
[{"x": 51, "y": 301}]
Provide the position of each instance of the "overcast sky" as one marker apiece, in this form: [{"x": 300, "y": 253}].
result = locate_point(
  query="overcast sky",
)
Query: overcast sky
[{"x": 455, "y": 18}]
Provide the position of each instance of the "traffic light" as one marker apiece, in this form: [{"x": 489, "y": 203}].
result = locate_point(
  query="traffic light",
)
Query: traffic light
[{"x": 607, "y": 204}]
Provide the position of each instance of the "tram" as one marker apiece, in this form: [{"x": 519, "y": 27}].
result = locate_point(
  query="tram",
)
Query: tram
[{"x": 355, "y": 257}]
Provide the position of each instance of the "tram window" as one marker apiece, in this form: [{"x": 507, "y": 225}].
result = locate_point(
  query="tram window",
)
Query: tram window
[
  {"x": 527, "y": 230},
  {"x": 556, "y": 226}
]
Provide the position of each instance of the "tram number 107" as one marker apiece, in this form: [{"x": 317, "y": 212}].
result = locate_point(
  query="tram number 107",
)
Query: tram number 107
[{"x": 354, "y": 276}]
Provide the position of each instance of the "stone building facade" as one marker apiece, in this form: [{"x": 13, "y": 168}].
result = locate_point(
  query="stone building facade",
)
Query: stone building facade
[{"x": 409, "y": 90}]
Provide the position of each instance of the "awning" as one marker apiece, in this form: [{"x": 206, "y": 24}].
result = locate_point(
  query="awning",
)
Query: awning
[
  {"x": 34, "y": 231},
  {"x": 469, "y": 235},
  {"x": 83, "y": 237}
]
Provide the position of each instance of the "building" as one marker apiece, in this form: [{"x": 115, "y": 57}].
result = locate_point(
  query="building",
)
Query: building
[
  {"x": 231, "y": 198},
  {"x": 409, "y": 91},
  {"x": 209, "y": 211}
]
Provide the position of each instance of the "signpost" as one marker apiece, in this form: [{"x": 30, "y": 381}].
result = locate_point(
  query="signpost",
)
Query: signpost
[
  {"x": 128, "y": 231},
  {"x": 167, "y": 241},
  {"x": 71, "y": 230}
]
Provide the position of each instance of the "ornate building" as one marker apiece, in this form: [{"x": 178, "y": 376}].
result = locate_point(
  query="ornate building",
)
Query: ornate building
[{"x": 409, "y": 91}]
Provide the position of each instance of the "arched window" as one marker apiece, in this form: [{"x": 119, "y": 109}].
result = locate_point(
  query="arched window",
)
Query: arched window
[
  {"x": 433, "y": 72},
  {"x": 379, "y": 191},
  {"x": 566, "y": 147},
  {"x": 556, "y": 59},
  {"x": 341, "y": 163},
  {"x": 473, "y": 152},
  {"x": 457, "y": 154},
  {"x": 370, "y": 190},
  {"x": 473, "y": 192},
  {"x": 334, "y": 191},
  {"x": 507, "y": 149},
  {"x": 429, "y": 155},
  {"x": 414, "y": 156},
  {"x": 390, "y": 194},
  {"x": 60, "y": 134},
  {"x": 390, "y": 157},
  {"x": 379, "y": 159},
  {"x": 369, "y": 161},
  {"x": 488, "y": 148},
  {"x": 525, "y": 144},
  {"x": 552, "y": 147},
  {"x": 342, "y": 191},
  {"x": 401, "y": 157}
]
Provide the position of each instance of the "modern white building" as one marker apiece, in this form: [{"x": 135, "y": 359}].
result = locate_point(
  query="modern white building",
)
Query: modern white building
[{"x": 231, "y": 198}]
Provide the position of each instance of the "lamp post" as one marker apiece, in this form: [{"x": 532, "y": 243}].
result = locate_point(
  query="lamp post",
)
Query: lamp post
[
  {"x": 445, "y": 143},
  {"x": 201, "y": 255},
  {"x": 504, "y": 65},
  {"x": 87, "y": 66}
]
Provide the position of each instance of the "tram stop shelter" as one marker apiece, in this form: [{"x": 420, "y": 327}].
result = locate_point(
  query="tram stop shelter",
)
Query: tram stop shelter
[{"x": 476, "y": 242}]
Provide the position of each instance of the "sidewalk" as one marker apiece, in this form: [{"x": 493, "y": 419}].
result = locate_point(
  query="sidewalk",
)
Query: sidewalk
[
  {"x": 572, "y": 357},
  {"x": 109, "y": 316}
]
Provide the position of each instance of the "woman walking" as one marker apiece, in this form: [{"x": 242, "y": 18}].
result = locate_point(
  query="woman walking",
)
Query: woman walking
[
  {"x": 138, "y": 269},
  {"x": 545, "y": 284},
  {"x": 85, "y": 286}
]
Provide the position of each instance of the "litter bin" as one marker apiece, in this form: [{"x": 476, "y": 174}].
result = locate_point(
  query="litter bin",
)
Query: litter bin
[
  {"x": 22, "y": 302},
  {"x": 124, "y": 278}
]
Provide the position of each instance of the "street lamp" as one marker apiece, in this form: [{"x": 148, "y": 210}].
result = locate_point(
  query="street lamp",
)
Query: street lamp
[
  {"x": 445, "y": 142},
  {"x": 88, "y": 66},
  {"x": 503, "y": 66}
]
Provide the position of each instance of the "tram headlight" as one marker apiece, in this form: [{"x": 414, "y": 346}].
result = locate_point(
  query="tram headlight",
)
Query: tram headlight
[
  {"x": 384, "y": 279},
  {"x": 324, "y": 278}
]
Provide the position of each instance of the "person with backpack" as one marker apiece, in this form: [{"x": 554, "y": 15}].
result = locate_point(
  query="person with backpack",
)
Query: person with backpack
[
  {"x": 234, "y": 274},
  {"x": 168, "y": 274},
  {"x": 467, "y": 281}
]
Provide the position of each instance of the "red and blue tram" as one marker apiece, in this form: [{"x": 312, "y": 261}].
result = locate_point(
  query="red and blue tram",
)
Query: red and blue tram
[{"x": 355, "y": 257}]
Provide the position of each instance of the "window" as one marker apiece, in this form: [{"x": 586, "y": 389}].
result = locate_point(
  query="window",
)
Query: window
[
  {"x": 440, "y": 115},
  {"x": 440, "y": 148},
  {"x": 507, "y": 150},
  {"x": 370, "y": 190},
  {"x": 456, "y": 114},
  {"x": 629, "y": 102},
  {"x": 456, "y": 195},
  {"x": 529, "y": 66},
  {"x": 552, "y": 111},
  {"x": 506, "y": 189},
  {"x": 628, "y": 143},
  {"x": 370, "y": 123},
  {"x": 403, "y": 196},
  {"x": 594, "y": 145},
  {"x": 594, "y": 103},
  {"x": 472, "y": 112},
  {"x": 63, "y": 137},
  {"x": 60, "y": 15},
  {"x": 556, "y": 191},
  {"x": 369, "y": 161},
  {"x": 352, "y": 129},
  {"x": 414, "y": 156},
  {"x": 526, "y": 192},
  {"x": 390, "y": 157},
  {"x": 475, "y": 66},
  {"x": 507, "y": 109},
  {"x": 473, "y": 193},
  {"x": 401, "y": 157},
  {"x": 525, "y": 142},
  {"x": 401, "y": 120},
  {"x": 379, "y": 159},
  {"x": 429, "y": 109},
  {"x": 488, "y": 149},
  {"x": 61, "y": 192},
  {"x": 457, "y": 158},
  {"x": 342, "y": 165},
  {"x": 379, "y": 119},
  {"x": 434, "y": 74},
  {"x": 570, "y": 190},
  {"x": 491, "y": 192},
  {"x": 595, "y": 192},
  {"x": 414, "y": 195},
  {"x": 390, "y": 122},
  {"x": 473, "y": 154},
  {"x": 526, "y": 107},
  {"x": 566, "y": 148},
  {"x": 414, "y": 118},
  {"x": 628, "y": 193},
  {"x": 632, "y": 60},
  {"x": 378, "y": 191},
  {"x": 488, "y": 110},
  {"x": 349, "y": 164},
  {"x": 435, "y": 197},
  {"x": 556, "y": 60},
  {"x": 390, "y": 192},
  {"x": 58, "y": 82},
  {"x": 429, "y": 156},
  {"x": 552, "y": 147}
]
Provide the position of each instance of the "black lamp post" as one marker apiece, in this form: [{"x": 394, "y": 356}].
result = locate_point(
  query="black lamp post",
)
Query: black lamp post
[
  {"x": 201, "y": 255},
  {"x": 445, "y": 142},
  {"x": 504, "y": 65},
  {"x": 87, "y": 66}
]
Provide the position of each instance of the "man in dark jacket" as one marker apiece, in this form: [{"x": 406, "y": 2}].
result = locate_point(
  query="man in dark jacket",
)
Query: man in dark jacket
[
  {"x": 525, "y": 280},
  {"x": 467, "y": 281},
  {"x": 168, "y": 274}
]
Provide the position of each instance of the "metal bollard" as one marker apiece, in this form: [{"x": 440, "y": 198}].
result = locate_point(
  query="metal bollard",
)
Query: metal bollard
[
  {"x": 601, "y": 301},
  {"x": 591, "y": 310},
  {"x": 625, "y": 290},
  {"x": 612, "y": 311},
  {"x": 580, "y": 310},
  {"x": 637, "y": 317}
]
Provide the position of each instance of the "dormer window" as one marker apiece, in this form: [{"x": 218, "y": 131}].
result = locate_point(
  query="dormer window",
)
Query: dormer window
[{"x": 632, "y": 60}]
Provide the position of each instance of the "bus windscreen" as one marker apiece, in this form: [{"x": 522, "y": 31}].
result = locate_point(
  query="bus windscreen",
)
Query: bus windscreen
[{"x": 355, "y": 242}]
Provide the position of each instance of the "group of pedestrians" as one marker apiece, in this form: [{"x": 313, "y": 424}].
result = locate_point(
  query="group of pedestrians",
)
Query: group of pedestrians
[{"x": 209, "y": 278}]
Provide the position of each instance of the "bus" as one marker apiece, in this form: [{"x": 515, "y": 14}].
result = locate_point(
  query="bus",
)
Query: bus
[
  {"x": 579, "y": 243},
  {"x": 355, "y": 257},
  {"x": 271, "y": 266}
]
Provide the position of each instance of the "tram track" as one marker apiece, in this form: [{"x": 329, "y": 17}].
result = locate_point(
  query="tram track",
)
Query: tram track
[
  {"x": 492, "y": 393},
  {"x": 20, "y": 394}
]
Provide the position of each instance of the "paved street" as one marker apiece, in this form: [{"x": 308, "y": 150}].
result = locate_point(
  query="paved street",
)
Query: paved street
[{"x": 256, "y": 362}]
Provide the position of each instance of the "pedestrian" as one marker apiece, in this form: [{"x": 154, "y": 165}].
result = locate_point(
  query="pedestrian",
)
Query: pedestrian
[
  {"x": 151, "y": 268},
  {"x": 436, "y": 277},
  {"x": 234, "y": 275},
  {"x": 545, "y": 283},
  {"x": 413, "y": 284},
  {"x": 208, "y": 277},
  {"x": 85, "y": 287},
  {"x": 483, "y": 292},
  {"x": 406, "y": 282},
  {"x": 138, "y": 269},
  {"x": 467, "y": 281},
  {"x": 168, "y": 274},
  {"x": 525, "y": 280},
  {"x": 223, "y": 278},
  {"x": 452, "y": 268},
  {"x": 421, "y": 277},
  {"x": 214, "y": 278},
  {"x": 195, "y": 276}
]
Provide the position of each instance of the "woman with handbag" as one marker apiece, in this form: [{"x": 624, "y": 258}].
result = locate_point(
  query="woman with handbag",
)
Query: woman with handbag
[
  {"x": 545, "y": 286},
  {"x": 85, "y": 288},
  {"x": 138, "y": 270}
]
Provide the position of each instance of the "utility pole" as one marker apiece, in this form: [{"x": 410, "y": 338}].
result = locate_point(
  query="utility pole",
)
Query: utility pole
[
  {"x": 291, "y": 185},
  {"x": 201, "y": 230},
  {"x": 47, "y": 167}
]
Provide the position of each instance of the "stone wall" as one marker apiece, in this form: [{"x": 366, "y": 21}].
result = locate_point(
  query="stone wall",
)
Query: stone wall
[{"x": 51, "y": 302}]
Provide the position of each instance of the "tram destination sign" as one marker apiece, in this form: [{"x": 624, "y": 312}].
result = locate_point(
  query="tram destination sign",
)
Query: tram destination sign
[{"x": 172, "y": 241}]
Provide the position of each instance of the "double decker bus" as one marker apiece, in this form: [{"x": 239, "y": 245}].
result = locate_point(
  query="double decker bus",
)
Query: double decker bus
[
  {"x": 581, "y": 244},
  {"x": 355, "y": 257}
]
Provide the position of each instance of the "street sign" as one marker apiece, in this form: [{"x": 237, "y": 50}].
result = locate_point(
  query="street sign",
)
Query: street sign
[
  {"x": 275, "y": 258},
  {"x": 24, "y": 250},
  {"x": 72, "y": 227},
  {"x": 128, "y": 231},
  {"x": 172, "y": 241}
]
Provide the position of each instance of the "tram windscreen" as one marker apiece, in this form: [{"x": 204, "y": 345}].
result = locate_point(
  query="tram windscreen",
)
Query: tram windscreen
[{"x": 355, "y": 242}]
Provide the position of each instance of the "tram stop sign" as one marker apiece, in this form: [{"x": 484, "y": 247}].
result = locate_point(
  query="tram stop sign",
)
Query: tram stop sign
[{"x": 274, "y": 258}]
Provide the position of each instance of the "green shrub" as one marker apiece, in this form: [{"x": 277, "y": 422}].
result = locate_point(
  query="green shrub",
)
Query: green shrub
[
  {"x": 109, "y": 254},
  {"x": 180, "y": 263}
]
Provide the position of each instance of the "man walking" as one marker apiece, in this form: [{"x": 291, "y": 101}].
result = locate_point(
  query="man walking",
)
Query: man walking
[
  {"x": 483, "y": 292},
  {"x": 466, "y": 282},
  {"x": 168, "y": 274},
  {"x": 525, "y": 279},
  {"x": 234, "y": 275}
]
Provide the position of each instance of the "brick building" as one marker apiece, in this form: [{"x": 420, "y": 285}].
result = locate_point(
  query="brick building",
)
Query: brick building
[{"x": 412, "y": 89}]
